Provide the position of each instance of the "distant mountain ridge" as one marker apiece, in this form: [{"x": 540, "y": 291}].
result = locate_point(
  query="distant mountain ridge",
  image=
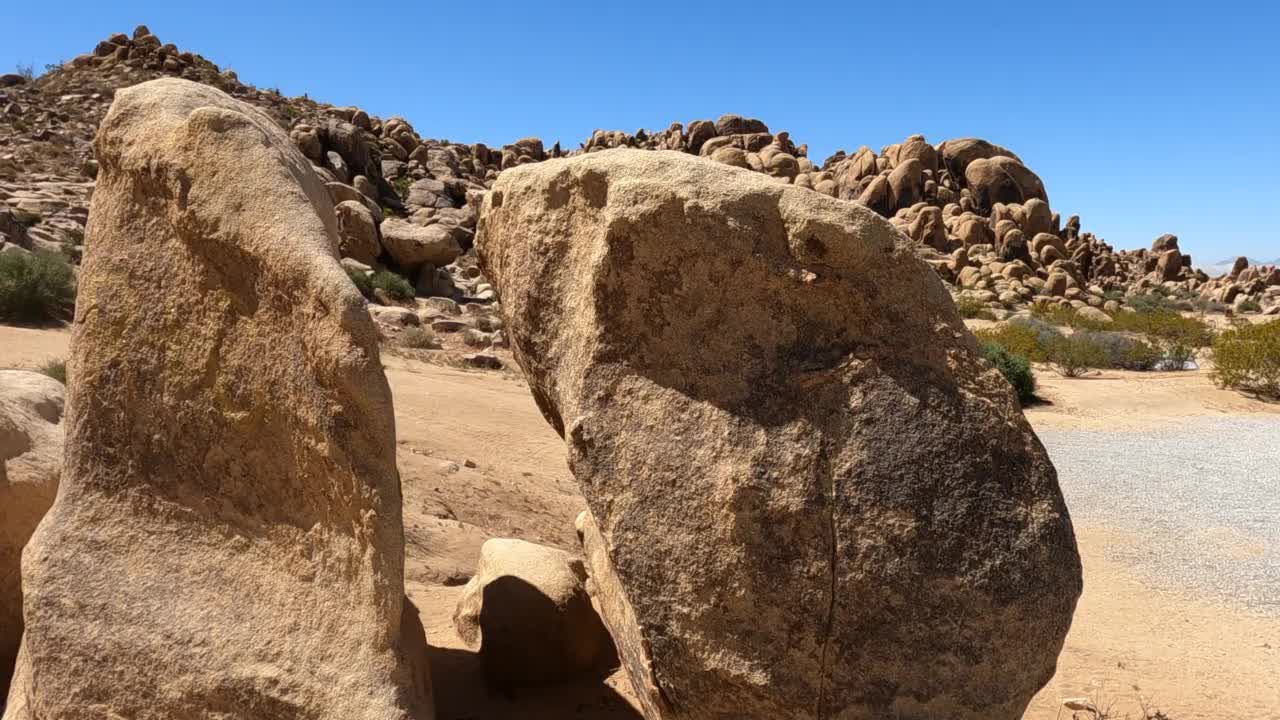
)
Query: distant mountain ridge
[{"x": 1224, "y": 266}]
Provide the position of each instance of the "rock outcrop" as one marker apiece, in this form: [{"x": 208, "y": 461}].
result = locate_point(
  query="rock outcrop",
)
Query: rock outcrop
[
  {"x": 809, "y": 495},
  {"x": 227, "y": 539},
  {"x": 527, "y": 611},
  {"x": 31, "y": 408}
]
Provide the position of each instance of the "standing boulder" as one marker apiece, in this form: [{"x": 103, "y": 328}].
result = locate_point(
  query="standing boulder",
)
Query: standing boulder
[
  {"x": 810, "y": 496},
  {"x": 1169, "y": 265},
  {"x": 357, "y": 232},
  {"x": 30, "y": 461},
  {"x": 528, "y": 613},
  {"x": 227, "y": 539}
]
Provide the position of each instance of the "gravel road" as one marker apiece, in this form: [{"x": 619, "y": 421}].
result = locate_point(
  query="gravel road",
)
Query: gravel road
[{"x": 1199, "y": 501}]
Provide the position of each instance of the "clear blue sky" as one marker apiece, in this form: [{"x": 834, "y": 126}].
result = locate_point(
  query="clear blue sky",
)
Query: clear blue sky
[{"x": 1141, "y": 117}]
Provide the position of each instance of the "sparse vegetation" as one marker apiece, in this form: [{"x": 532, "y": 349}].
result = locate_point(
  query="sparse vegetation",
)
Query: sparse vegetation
[
  {"x": 56, "y": 369},
  {"x": 35, "y": 287},
  {"x": 1015, "y": 368},
  {"x": 360, "y": 279},
  {"x": 1247, "y": 357},
  {"x": 1075, "y": 355},
  {"x": 418, "y": 338},
  {"x": 402, "y": 184},
  {"x": 1250, "y": 306},
  {"x": 27, "y": 71},
  {"x": 1026, "y": 338},
  {"x": 392, "y": 284},
  {"x": 1123, "y": 352},
  {"x": 973, "y": 309}
]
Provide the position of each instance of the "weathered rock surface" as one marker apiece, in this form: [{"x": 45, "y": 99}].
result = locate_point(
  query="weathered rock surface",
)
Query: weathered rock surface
[
  {"x": 412, "y": 245},
  {"x": 528, "y": 612},
  {"x": 227, "y": 540},
  {"x": 813, "y": 498},
  {"x": 31, "y": 408}
]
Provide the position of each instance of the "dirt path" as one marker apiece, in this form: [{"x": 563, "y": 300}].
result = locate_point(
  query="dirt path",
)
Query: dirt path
[{"x": 1194, "y": 658}]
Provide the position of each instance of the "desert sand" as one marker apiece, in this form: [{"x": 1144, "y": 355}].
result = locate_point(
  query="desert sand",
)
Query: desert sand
[{"x": 477, "y": 461}]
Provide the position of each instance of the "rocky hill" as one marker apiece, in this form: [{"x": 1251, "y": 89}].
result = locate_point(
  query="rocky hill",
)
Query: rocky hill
[{"x": 408, "y": 204}]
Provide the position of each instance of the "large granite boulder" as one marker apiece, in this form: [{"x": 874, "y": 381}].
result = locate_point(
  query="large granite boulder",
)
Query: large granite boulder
[
  {"x": 810, "y": 496},
  {"x": 31, "y": 406},
  {"x": 227, "y": 540}
]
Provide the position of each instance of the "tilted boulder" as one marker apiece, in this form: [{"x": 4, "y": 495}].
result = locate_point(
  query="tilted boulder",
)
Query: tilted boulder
[
  {"x": 528, "y": 612},
  {"x": 31, "y": 407},
  {"x": 810, "y": 496},
  {"x": 227, "y": 540}
]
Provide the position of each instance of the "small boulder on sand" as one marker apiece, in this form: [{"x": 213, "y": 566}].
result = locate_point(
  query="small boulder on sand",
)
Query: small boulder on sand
[{"x": 528, "y": 612}]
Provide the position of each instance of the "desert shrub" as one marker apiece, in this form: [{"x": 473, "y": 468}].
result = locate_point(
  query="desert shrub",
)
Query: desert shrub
[
  {"x": 35, "y": 287},
  {"x": 56, "y": 369},
  {"x": 27, "y": 71},
  {"x": 1124, "y": 352},
  {"x": 1015, "y": 368},
  {"x": 1250, "y": 305},
  {"x": 974, "y": 309},
  {"x": 418, "y": 338},
  {"x": 1247, "y": 357},
  {"x": 1206, "y": 305},
  {"x": 1061, "y": 315},
  {"x": 392, "y": 284},
  {"x": 1016, "y": 339},
  {"x": 1178, "y": 336},
  {"x": 1074, "y": 355},
  {"x": 1154, "y": 300},
  {"x": 361, "y": 280},
  {"x": 401, "y": 185}
]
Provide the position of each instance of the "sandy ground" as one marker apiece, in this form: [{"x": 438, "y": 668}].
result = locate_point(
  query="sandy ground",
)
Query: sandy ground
[{"x": 1194, "y": 658}]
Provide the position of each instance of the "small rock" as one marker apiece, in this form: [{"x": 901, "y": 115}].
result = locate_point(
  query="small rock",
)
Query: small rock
[{"x": 484, "y": 361}]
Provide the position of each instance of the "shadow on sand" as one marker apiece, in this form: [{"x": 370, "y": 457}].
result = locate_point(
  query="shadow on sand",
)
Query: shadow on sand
[{"x": 462, "y": 693}]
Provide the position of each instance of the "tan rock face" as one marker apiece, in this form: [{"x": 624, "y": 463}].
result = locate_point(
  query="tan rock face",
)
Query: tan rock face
[
  {"x": 528, "y": 613},
  {"x": 813, "y": 498},
  {"x": 228, "y": 537},
  {"x": 31, "y": 408}
]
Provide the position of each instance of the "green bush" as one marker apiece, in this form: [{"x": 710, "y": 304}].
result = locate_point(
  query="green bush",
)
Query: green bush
[
  {"x": 1154, "y": 301},
  {"x": 35, "y": 287},
  {"x": 1178, "y": 336},
  {"x": 361, "y": 280},
  {"x": 1021, "y": 336},
  {"x": 1061, "y": 315},
  {"x": 974, "y": 309},
  {"x": 392, "y": 284},
  {"x": 1247, "y": 357},
  {"x": 1074, "y": 355},
  {"x": 1124, "y": 352},
  {"x": 56, "y": 369},
  {"x": 1250, "y": 305},
  {"x": 1015, "y": 368}
]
